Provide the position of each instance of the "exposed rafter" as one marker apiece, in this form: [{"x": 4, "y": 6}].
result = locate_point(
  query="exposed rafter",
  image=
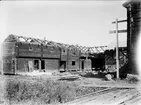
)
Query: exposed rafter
[{"x": 82, "y": 49}]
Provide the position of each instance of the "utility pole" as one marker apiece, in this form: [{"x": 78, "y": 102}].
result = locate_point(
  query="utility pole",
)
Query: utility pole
[{"x": 117, "y": 45}]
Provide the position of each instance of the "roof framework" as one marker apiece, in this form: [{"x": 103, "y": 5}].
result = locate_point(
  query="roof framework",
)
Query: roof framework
[{"x": 83, "y": 49}]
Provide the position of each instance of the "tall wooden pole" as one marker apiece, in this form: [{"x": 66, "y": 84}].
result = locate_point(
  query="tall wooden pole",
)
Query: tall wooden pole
[{"x": 117, "y": 45}]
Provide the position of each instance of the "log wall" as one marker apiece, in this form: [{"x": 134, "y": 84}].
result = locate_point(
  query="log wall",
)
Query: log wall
[{"x": 133, "y": 31}]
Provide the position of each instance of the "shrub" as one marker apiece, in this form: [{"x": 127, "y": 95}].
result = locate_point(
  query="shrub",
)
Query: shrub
[
  {"x": 44, "y": 91},
  {"x": 133, "y": 78}
]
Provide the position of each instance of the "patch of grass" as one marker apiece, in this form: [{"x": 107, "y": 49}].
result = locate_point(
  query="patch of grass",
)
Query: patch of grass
[{"x": 43, "y": 91}]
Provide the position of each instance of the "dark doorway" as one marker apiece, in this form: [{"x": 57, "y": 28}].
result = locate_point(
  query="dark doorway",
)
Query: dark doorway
[
  {"x": 36, "y": 64},
  {"x": 42, "y": 64},
  {"x": 63, "y": 65},
  {"x": 82, "y": 65},
  {"x": 98, "y": 64}
]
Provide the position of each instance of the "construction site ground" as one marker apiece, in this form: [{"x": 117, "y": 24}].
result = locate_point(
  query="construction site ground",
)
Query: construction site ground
[{"x": 89, "y": 79}]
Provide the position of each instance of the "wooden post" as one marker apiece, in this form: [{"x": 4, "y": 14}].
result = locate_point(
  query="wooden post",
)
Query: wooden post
[
  {"x": 79, "y": 60},
  {"x": 15, "y": 65},
  {"x": 59, "y": 62},
  {"x": 67, "y": 58},
  {"x": 117, "y": 45},
  {"x": 40, "y": 63},
  {"x": 2, "y": 67}
]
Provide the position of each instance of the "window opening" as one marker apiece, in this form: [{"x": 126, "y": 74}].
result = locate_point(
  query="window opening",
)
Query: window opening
[{"x": 73, "y": 63}]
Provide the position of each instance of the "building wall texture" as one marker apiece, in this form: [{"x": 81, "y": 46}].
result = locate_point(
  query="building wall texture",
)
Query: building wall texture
[
  {"x": 8, "y": 57},
  {"x": 21, "y": 57},
  {"x": 133, "y": 31}
]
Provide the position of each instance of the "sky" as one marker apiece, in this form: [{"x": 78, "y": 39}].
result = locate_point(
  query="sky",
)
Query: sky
[{"x": 85, "y": 23}]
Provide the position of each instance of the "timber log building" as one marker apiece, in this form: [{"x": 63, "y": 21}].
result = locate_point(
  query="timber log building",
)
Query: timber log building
[
  {"x": 26, "y": 54},
  {"x": 22, "y": 54}
]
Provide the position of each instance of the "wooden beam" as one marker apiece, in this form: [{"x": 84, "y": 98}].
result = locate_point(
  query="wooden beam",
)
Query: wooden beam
[
  {"x": 102, "y": 48},
  {"x": 123, "y": 54},
  {"x": 119, "y": 21},
  {"x": 97, "y": 49},
  {"x": 119, "y": 31}
]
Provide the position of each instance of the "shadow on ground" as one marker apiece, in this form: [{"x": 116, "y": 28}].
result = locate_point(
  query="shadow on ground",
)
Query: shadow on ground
[
  {"x": 92, "y": 75},
  {"x": 68, "y": 79}
]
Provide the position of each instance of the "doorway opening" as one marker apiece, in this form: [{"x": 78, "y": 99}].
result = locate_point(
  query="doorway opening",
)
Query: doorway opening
[
  {"x": 36, "y": 64},
  {"x": 62, "y": 65},
  {"x": 98, "y": 64},
  {"x": 42, "y": 64}
]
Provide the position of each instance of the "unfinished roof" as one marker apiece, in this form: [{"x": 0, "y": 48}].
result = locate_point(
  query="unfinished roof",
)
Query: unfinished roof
[{"x": 83, "y": 49}]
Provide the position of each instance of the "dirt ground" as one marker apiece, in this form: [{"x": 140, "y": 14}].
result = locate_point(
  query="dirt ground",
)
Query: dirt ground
[
  {"x": 95, "y": 79},
  {"x": 80, "y": 78},
  {"x": 85, "y": 79}
]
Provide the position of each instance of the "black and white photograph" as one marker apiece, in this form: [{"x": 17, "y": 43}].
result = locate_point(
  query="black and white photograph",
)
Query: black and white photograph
[{"x": 70, "y": 52}]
